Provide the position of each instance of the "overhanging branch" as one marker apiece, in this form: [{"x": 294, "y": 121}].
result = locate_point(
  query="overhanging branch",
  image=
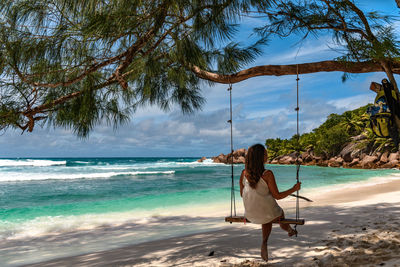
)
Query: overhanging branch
[{"x": 304, "y": 68}]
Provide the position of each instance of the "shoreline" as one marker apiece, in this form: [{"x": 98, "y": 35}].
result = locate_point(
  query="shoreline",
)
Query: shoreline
[
  {"x": 323, "y": 166},
  {"x": 333, "y": 219},
  {"x": 349, "y": 157},
  {"x": 397, "y": 167}
]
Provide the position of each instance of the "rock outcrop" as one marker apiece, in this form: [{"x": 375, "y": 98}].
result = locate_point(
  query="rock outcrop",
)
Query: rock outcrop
[
  {"x": 356, "y": 154},
  {"x": 344, "y": 159},
  {"x": 202, "y": 159},
  {"x": 368, "y": 162},
  {"x": 238, "y": 157}
]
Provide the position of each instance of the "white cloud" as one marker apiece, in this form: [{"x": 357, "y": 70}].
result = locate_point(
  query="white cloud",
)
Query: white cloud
[
  {"x": 306, "y": 51},
  {"x": 214, "y": 133},
  {"x": 203, "y": 133},
  {"x": 267, "y": 113},
  {"x": 351, "y": 102},
  {"x": 298, "y": 53}
]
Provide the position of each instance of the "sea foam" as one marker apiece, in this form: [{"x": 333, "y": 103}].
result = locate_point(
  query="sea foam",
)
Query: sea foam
[
  {"x": 207, "y": 162},
  {"x": 17, "y": 176},
  {"x": 30, "y": 162}
]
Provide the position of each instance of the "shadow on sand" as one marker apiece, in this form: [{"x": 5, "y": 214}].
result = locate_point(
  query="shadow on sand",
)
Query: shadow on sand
[{"x": 236, "y": 241}]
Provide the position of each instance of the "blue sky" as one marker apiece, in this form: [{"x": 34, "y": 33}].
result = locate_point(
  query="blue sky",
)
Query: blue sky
[{"x": 263, "y": 108}]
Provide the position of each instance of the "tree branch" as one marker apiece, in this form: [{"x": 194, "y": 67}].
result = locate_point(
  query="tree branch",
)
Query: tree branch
[
  {"x": 92, "y": 69},
  {"x": 305, "y": 68},
  {"x": 370, "y": 36}
]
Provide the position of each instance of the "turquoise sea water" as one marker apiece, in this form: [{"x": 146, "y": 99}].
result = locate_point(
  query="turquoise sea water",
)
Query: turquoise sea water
[{"x": 83, "y": 197}]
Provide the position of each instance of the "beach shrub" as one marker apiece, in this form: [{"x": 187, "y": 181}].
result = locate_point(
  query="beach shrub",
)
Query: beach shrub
[
  {"x": 329, "y": 138},
  {"x": 331, "y": 141}
]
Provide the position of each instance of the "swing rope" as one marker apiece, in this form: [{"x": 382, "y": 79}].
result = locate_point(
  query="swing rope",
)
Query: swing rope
[
  {"x": 297, "y": 147},
  {"x": 233, "y": 217},
  {"x": 233, "y": 202}
]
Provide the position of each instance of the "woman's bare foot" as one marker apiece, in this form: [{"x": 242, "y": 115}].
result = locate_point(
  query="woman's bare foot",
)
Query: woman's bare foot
[
  {"x": 264, "y": 252},
  {"x": 292, "y": 232}
]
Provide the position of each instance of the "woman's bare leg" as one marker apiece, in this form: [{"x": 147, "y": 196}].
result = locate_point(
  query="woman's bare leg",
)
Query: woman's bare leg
[
  {"x": 285, "y": 226},
  {"x": 288, "y": 228},
  {"x": 266, "y": 231}
]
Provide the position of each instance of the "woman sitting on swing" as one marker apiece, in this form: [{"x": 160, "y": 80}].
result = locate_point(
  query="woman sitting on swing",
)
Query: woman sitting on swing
[{"x": 259, "y": 192}]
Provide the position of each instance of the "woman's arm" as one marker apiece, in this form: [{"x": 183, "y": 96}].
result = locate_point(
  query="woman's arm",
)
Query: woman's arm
[
  {"x": 241, "y": 183},
  {"x": 269, "y": 178}
]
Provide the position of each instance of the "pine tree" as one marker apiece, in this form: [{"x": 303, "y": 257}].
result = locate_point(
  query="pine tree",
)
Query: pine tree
[{"x": 75, "y": 64}]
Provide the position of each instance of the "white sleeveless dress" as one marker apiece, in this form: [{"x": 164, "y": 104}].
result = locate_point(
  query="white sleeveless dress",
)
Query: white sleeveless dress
[{"x": 259, "y": 205}]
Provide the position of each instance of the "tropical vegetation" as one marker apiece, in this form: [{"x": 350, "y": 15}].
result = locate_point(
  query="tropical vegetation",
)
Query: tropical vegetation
[{"x": 331, "y": 136}]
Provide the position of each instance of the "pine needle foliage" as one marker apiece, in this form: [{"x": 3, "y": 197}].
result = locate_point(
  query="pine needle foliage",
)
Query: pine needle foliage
[
  {"x": 365, "y": 36},
  {"x": 361, "y": 36},
  {"x": 75, "y": 64}
]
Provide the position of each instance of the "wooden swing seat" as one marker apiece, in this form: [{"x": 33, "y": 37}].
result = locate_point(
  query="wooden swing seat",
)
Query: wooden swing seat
[{"x": 241, "y": 219}]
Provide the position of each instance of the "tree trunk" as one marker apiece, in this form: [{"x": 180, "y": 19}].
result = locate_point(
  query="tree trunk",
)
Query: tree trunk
[
  {"x": 280, "y": 70},
  {"x": 389, "y": 72}
]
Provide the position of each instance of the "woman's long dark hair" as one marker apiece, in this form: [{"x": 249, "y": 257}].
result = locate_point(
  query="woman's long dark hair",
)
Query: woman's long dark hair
[{"x": 254, "y": 164}]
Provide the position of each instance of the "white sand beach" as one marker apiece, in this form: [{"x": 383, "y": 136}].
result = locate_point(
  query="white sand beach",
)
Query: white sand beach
[{"x": 353, "y": 226}]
